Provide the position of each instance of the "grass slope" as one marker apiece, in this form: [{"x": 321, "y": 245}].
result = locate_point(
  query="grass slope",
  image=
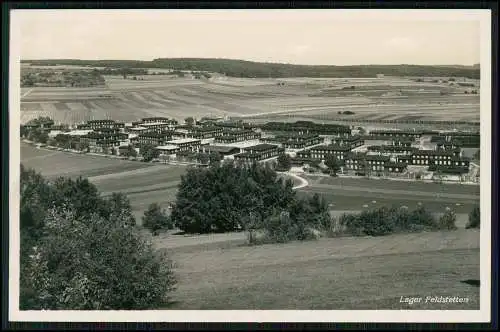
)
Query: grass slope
[{"x": 328, "y": 274}]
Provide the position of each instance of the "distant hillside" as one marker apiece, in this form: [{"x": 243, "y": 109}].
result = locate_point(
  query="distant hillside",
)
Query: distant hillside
[{"x": 241, "y": 68}]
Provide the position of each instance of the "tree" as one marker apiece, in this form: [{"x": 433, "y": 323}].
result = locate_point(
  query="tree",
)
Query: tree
[
  {"x": 23, "y": 131},
  {"x": 215, "y": 157},
  {"x": 447, "y": 221},
  {"x": 155, "y": 219},
  {"x": 189, "y": 121},
  {"x": 333, "y": 164},
  {"x": 78, "y": 251},
  {"x": 203, "y": 158},
  {"x": 217, "y": 199},
  {"x": 119, "y": 208},
  {"x": 474, "y": 218},
  {"x": 149, "y": 152},
  {"x": 314, "y": 163},
  {"x": 84, "y": 146},
  {"x": 95, "y": 264},
  {"x": 284, "y": 162}
]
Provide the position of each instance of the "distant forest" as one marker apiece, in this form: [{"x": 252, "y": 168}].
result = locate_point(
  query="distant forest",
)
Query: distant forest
[{"x": 250, "y": 69}]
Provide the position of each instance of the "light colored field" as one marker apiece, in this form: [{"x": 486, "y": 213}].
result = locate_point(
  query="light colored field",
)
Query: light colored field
[
  {"x": 328, "y": 274},
  {"x": 164, "y": 95},
  {"x": 56, "y": 163},
  {"x": 362, "y": 194}
]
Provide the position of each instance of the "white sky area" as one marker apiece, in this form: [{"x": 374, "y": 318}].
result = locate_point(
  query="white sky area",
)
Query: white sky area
[{"x": 326, "y": 37}]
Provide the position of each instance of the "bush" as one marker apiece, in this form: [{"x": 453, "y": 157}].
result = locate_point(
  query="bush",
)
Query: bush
[
  {"x": 385, "y": 221},
  {"x": 281, "y": 227},
  {"x": 474, "y": 218},
  {"x": 156, "y": 219},
  {"x": 447, "y": 221}
]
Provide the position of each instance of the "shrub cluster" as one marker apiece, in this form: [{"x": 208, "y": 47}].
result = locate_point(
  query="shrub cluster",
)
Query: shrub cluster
[
  {"x": 474, "y": 218},
  {"x": 389, "y": 220}
]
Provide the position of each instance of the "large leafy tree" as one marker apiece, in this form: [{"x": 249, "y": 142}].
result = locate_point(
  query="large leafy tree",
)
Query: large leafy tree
[
  {"x": 218, "y": 199},
  {"x": 81, "y": 251},
  {"x": 333, "y": 164},
  {"x": 148, "y": 152}
]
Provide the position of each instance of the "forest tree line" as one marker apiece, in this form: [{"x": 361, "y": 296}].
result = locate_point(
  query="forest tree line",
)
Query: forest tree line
[{"x": 250, "y": 69}]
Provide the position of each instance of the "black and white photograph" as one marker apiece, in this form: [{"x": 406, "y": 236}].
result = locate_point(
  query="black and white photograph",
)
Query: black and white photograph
[{"x": 287, "y": 165}]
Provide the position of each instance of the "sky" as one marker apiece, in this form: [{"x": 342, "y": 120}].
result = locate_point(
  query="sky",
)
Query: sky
[{"x": 313, "y": 37}]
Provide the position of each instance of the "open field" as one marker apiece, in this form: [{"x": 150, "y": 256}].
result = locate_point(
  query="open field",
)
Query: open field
[
  {"x": 328, "y": 274},
  {"x": 57, "y": 163},
  {"x": 361, "y": 194},
  {"x": 320, "y": 99}
]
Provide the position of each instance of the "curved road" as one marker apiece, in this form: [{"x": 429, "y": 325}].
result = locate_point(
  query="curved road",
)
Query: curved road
[{"x": 303, "y": 182}]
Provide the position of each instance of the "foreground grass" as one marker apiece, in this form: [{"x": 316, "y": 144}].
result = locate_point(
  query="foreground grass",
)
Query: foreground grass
[{"x": 344, "y": 273}]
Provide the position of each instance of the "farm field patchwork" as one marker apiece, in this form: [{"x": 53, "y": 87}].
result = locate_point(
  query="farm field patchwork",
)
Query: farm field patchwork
[
  {"x": 328, "y": 274},
  {"x": 127, "y": 100}
]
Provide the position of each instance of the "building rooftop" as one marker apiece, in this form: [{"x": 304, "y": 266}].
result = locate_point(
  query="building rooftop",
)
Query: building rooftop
[
  {"x": 222, "y": 149},
  {"x": 155, "y": 118},
  {"x": 395, "y": 164},
  {"x": 167, "y": 147},
  {"x": 138, "y": 128},
  {"x": 204, "y": 129},
  {"x": 79, "y": 132},
  {"x": 157, "y": 135},
  {"x": 356, "y": 156},
  {"x": 261, "y": 147},
  {"x": 433, "y": 153},
  {"x": 151, "y": 124},
  {"x": 100, "y": 121},
  {"x": 395, "y": 131},
  {"x": 184, "y": 140},
  {"x": 331, "y": 147},
  {"x": 377, "y": 158}
]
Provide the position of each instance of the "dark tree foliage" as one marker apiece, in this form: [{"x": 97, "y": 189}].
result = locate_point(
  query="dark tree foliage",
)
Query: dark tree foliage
[
  {"x": 333, "y": 164},
  {"x": 474, "y": 218},
  {"x": 284, "y": 162},
  {"x": 385, "y": 220},
  {"x": 216, "y": 199},
  {"x": 215, "y": 158},
  {"x": 149, "y": 152},
  {"x": 155, "y": 218},
  {"x": 80, "y": 251}
]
